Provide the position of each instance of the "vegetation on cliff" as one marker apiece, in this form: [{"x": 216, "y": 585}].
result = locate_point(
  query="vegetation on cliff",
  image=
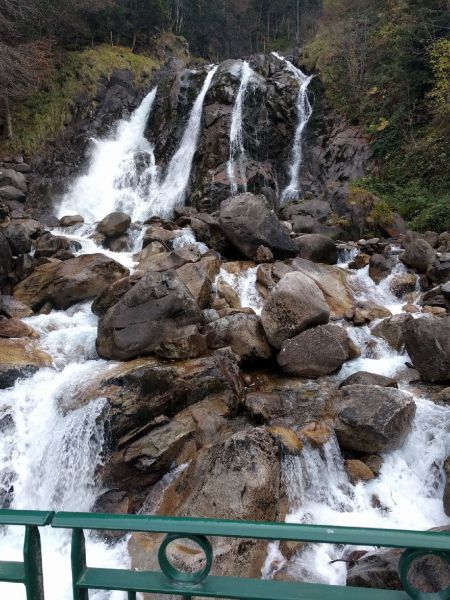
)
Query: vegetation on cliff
[{"x": 388, "y": 69}]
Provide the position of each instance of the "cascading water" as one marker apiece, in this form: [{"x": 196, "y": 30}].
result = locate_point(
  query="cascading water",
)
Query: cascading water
[
  {"x": 122, "y": 171},
  {"x": 50, "y": 451},
  {"x": 304, "y": 111},
  {"x": 172, "y": 191},
  {"x": 236, "y": 161},
  {"x": 407, "y": 493},
  {"x": 244, "y": 284}
]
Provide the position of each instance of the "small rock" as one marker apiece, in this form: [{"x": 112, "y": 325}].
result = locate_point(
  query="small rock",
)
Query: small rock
[
  {"x": 263, "y": 255},
  {"x": 358, "y": 471},
  {"x": 114, "y": 224},
  {"x": 288, "y": 439},
  {"x": 418, "y": 255},
  {"x": 70, "y": 220},
  {"x": 403, "y": 284},
  {"x": 366, "y": 378}
]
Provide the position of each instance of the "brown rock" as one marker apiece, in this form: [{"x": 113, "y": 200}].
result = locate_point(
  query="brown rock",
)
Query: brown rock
[
  {"x": 295, "y": 304},
  {"x": 20, "y": 357},
  {"x": 15, "y": 328},
  {"x": 114, "y": 224},
  {"x": 358, "y": 471}
]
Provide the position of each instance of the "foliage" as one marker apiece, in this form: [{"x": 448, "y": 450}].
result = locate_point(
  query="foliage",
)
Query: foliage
[
  {"x": 43, "y": 114},
  {"x": 387, "y": 68}
]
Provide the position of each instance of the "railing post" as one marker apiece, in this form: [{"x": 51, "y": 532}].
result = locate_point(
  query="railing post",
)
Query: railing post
[
  {"x": 78, "y": 559},
  {"x": 32, "y": 557},
  {"x": 131, "y": 595}
]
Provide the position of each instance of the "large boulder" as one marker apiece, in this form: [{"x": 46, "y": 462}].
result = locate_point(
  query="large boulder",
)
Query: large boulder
[
  {"x": 419, "y": 255},
  {"x": 199, "y": 278},
  {"x": 114, "y": 224},
  {"x": 372, "y": 419},
  {"x": 18, "y": 358},
  {"x": 236, "y": 478},
  {"x": 66, "y": 283},
  {"x": 332, "y": 281},
  {"x": 249, "y": 222},
  {"x": 140, "y": 391},
  {"x": 295, "y": 304},
  {"x": 158, "y": 316},
  {"x": 243, "y": 333},
  {"x": 316, "y": 352},
  {"x": 317, "y": 248},
  {"x": 164, "y": 261},
  {"x": 427, "y": 342},
  {"x": 391, "y": 330}
]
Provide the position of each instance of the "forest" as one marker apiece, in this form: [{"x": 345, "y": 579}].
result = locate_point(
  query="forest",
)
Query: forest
[{"x": 386, "y": 66}]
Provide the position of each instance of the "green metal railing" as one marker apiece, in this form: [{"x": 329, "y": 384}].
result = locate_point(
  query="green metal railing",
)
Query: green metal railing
[{"x": 170, "y": 581}]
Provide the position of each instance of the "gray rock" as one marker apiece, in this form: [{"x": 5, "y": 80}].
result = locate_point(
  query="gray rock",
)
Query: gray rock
[
  {"x": 316, "y": 352},
  {"x": 419, "y": 255},
  {"x": 5, "y": 258},
  {"x": 295, "y": 304},
  {"x": 249, "y": 222},
  {"x": 317, "y": 248},
  {"x": 372, "y": 419},
  {"x": 158, "y": 315},
  {"x": 66, "y": 283},
  {"x": 427, "y": 342},
  {"x": 70, "y": 220},
  {"x": 391, "y": 330},
  {"x": 380, "y": 266},
  {"x": 114, "y": 224},
  {"x": 17, "y": 238},
  {"x": 10, "y": 177},
  {"x": 11, "y": 193},
  {"x": 366, "y": 378},
  {"x": 243, "y": 333}
]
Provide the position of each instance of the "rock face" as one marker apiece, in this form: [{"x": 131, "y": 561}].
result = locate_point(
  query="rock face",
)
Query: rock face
[
  {"x": 295, "y": 304},
  {"x": 316, "y": 352},
  {"x": 156, "y": 316},
  {"x": 248, "y": 222},
  {"x": 317, "y": 248},
  {"x": 373, "y": 418},
  {"x": 419, "y": 255},
  {"x": 68, "y": 282},
  {"x": 427, "y": 342}
]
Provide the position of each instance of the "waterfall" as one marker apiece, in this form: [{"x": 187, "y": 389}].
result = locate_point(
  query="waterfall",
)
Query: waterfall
[
  {"x": 49, "y": 452},
  {"x": 237, "y": 150},
  {"x": 121, "y": 173},
  {"x": 172, "y": 191},
  {"x": 244, "y": 284},
  {"x": 304, "y": 111},
  {"x": 407, "y": 493}
]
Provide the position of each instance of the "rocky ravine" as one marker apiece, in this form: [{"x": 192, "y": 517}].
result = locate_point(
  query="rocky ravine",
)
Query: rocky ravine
[{"x": 237, "y": 338}]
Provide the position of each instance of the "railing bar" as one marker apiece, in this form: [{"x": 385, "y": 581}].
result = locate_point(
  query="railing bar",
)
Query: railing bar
[{"x": 257, "y": 530}]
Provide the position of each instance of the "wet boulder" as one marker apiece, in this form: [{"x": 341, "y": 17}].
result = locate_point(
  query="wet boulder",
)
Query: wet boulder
[
  {"x": 391, "y": 330},
  {"x": 316, "y": 352},
  {"x": 427, "y": 342},
  {"x": 113, "y": 293},
  {"x": 295, "y": 304},
  {"x": 15, "y": 328},
  {"x": 199, "y": 278},
  {"x": 371, "y": 419},
  {"x": 66, "y": 283},
  {"x": 70, "y": 220},
  {"x": 317, "y": 248},
  {"x": 114, "y": 224},
  {"x": 418, "y": 255},
  {"x": 248, "y": 222},
  {"x": 170, "y": 260},
  {"x": 158, "y": 316},
  {"x": 48, "y": 245},
  {"x": 366, "y": 378},
  {"x": 243, "y": 333},
  {"x": 19, "y": 358},
  {"x": 380, "y": 266},
  {"x": 332, "y": 281}
]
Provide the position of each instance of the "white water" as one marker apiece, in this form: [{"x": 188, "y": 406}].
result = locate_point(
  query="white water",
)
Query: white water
[
  {"x": 304, "y": 112},
  {"x": 244, "y": 284},
  {"x": 236, "y": 162},
  {"x": 114, "y": 181},
  {"x": 409, "y": 489},
  {"x": 50, "y": 453},
  {"x": 172, "y": 191}
]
